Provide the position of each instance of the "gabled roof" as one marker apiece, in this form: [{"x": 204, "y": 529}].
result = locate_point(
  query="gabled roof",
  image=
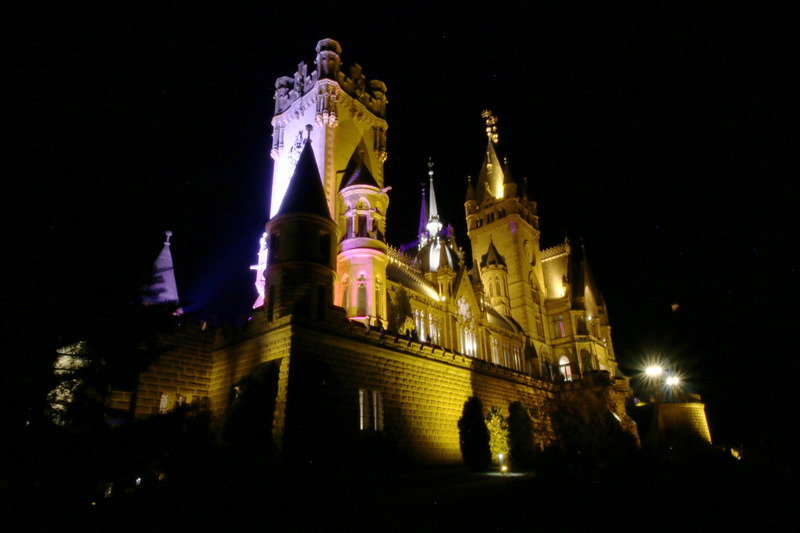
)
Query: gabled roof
[
  {"x": 504, "y": 322},
  {"x": 305, "y": 193}
]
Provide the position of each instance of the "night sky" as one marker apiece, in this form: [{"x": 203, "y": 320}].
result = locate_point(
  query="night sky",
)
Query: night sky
[{"x": 660, "y": 135}]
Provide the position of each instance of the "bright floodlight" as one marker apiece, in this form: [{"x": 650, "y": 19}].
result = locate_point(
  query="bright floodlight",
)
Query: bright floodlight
[
  {"x": 653, "y": 371},
  {"x": 673, "y": 381}
]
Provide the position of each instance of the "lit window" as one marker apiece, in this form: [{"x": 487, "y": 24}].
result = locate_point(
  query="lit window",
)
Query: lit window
[
  {"x": 561, "y": 331},
  {"x": 565, "y": 368},
  {"x": 370, "y": 410},
  {"x": 163, "y": 403},
  {"x": 362, "y": 295}
]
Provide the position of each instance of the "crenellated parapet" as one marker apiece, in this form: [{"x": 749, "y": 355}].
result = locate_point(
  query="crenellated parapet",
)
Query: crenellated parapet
[
  {"x": 555, "y": 251},
  {"x": 370, "y": 93},
  {"x": 397, "y": 256}
]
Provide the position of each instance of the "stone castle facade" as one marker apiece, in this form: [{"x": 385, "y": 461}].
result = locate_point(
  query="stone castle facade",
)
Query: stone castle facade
[{"x": 353, "y": 338}]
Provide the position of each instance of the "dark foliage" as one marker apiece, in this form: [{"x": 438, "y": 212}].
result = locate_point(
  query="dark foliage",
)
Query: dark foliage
[
  {"x": 473, "y": 435},
  {"x": 399, "y": 310},
  {"x": 522, "y": 447},
  {"x": 248, "y": 426}
]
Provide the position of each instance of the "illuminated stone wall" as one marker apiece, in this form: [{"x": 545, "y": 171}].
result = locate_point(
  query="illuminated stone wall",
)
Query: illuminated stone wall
[
  {"x": 423, "y": 390},
  {"x": 687, "y": 418},
  {"x": 184, "y": 370}
]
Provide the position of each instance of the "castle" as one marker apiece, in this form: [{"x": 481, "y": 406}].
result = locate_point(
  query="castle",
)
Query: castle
[{"x": 351, "y": 337}]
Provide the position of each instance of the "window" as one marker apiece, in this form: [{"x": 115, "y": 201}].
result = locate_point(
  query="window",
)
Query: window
[
  {"x": 274, "y": 243},
  {"x": 370, "y": 410},
  {"x": 435, "y": 329},
  {"x": 565, "y": 368},
  {"x": 419, "y": 322},
  {"x": 362, "y": 295},
  {"x": 378, "y": 297},
  {"x": 561, "y": 331},
  {"x": 534, "y": 290},
  {"x": 325, "y": 246},
  {"x": 345, "y": 281},
  {"x": 163, "y": 403}
]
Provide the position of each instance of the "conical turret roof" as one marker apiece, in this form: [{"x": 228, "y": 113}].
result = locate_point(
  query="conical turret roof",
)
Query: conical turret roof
[
  {"x": 492, "y": 256},
  {"x": 305, "y": 193},
  {"x": 492, "y": 177},
  {"x": 162, "y": 288}
]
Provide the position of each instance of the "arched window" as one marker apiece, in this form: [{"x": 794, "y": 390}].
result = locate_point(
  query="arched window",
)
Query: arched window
[
  {"x": 565, "y": 368},
  {"x": 345, "y": 281},
  {"x": 586, "y": 361},
  {"x": 497, "y": 287},
  {"x": 534, "y": 289},
  {"x": 362, "y": 295},
  {"x": 378, "y": 297}
]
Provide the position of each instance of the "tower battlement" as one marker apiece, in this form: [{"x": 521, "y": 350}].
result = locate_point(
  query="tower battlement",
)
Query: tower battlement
[{"x": 371, "y": 93}]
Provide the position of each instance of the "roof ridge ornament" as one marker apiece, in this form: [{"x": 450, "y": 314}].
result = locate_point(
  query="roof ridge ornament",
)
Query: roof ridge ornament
[{"x": 491, "y": 125}]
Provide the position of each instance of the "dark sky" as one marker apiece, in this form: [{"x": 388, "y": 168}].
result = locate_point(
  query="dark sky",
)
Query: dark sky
[{"x": 663, "y": 136}]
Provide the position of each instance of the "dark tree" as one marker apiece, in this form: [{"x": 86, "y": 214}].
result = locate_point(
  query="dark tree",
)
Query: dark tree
[
  {"x": 474, "y": 435},
  {"x": 399, "y": 310},
  {"x": 248, "y": 426},
  {"x": 522, "y": 447}
]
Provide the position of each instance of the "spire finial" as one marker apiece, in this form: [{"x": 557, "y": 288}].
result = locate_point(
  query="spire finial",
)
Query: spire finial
[
  {"x": 491, "y": 125},
  {"x": 430, "y": 166},
  {"x": 168, "y": 234},
  {"x": 309, "y": 129}
]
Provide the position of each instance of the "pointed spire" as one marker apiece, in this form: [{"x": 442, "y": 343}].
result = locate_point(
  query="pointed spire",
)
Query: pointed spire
[
  {"x": 434, "y": 225},
  {"x": 162, "y": 288},
  {"x": 305, "y": 193},
  {"x": 433, "y": 212},
  {"x": 492, "y": 256},
  {"x": 357, "y": 172},
  {"x": 423, "y": 213},
  {"x": 470, "y": 190},
  {"x": 492, "y": 176}
]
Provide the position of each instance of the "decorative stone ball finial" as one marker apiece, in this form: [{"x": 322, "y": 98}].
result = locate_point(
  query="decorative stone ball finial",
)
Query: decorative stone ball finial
[
  {"x": 309, "y": 129},
  {"x": 168, "y": 234}
]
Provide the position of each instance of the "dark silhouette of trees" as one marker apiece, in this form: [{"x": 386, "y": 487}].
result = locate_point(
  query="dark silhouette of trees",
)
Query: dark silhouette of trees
[
  {"x": 399, "y": 311},
  {"x": 521, "y": 444},
  {"x": 473, "y": 435}
]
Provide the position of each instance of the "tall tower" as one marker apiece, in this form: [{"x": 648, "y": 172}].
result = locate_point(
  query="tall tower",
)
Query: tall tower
[
  {"x": 503, "y": 228},
  {"x": 349, "y": 114},
  {"x": 349, "y": 117}
]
